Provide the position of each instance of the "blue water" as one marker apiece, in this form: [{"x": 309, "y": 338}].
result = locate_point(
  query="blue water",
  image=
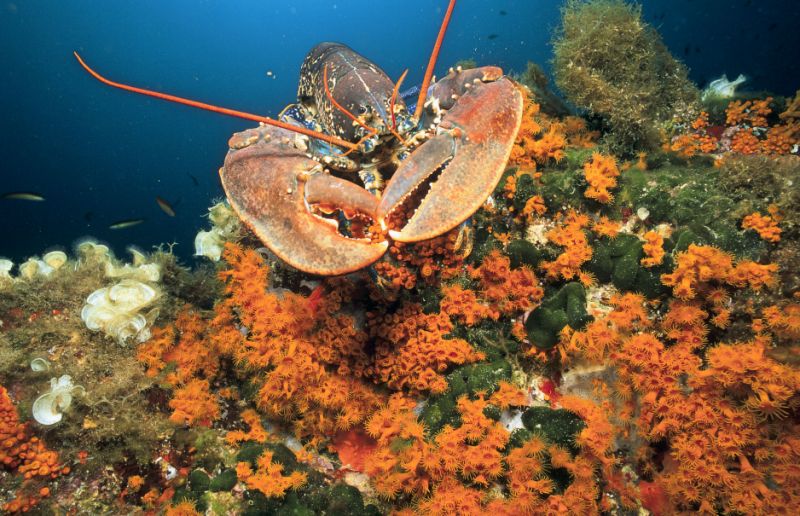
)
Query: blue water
[{"x": 100, "y": 155}]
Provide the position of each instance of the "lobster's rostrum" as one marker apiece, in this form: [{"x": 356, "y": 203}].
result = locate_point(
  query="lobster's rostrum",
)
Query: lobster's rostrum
[{"x": 289, "y": 179}]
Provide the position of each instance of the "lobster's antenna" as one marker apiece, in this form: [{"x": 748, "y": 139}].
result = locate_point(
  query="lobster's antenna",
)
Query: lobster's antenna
[
  {"x": 432, "y": 61},
  {"x": 395, "y": 92},
  {"x": 225, "y": 111},
  {"x": 392, "y": 102}
]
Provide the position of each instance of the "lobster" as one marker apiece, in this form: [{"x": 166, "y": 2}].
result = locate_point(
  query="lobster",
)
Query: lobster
[{"x": 289, "y": 181}]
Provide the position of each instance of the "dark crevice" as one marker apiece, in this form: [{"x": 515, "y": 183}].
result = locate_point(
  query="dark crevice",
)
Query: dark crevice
[
  {"x": 351, "y": 225},
  {"x": 400, "y": 215}
]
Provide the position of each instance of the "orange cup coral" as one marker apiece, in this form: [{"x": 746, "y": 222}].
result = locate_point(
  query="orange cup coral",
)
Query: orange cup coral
[
  {"x": 765, "y": 225},
  {"x": 194, "y": 403},
  {"x": 268, "y": 477},
  {"x": 601, "y": 173}
]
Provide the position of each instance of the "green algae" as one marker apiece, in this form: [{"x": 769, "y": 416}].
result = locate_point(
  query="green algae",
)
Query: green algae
[
  {"x": 199, "y": 481},
  {"x": 558, "y": 426},
  {"x": 565, "y": 307},
  {"x": 518, "y": 438},
  {"x": 224, "y": 481},
  {"x": 469, "y": 380},
  {"x": 523, "y": 253},
  {"x": 563, "y": 189},
  {"x": 316, "y": 496},
  {"x": 196, "y": 497},
  {"x": 618, "y": 261},
  {"x": 525, "y": 189},
  {"x": 490, "y": 337}
]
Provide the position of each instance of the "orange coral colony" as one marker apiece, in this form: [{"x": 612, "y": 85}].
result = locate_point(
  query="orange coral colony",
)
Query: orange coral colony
[
  {"x": 539, "y": 140},
  {"x": 698, "y": 266},
  {"x": 571, "y": 236},
  {"x": 27, "y": 456},
  {"x": 268, "y": 478},
  {"x": 653, "y": 249},
  {"x": 601, "y": 173},
  {"x": 411, "y": 349},
  {"x": 765, "y": 225}
]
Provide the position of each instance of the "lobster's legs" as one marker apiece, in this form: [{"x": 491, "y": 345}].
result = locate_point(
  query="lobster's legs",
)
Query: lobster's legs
[
  {"x": 426, "y": 81},
  {"x": 216, "y": 109}
]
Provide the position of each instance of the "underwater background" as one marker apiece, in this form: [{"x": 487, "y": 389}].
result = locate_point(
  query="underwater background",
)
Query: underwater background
[
  {"x": 589, "y": 304},
  {"x": 99, "y": 156}
]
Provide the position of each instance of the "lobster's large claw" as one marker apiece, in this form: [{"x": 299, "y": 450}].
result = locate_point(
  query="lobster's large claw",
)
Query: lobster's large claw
[
  {"x": 467, "y": 159},
  {"x": 271, "y": 183}
]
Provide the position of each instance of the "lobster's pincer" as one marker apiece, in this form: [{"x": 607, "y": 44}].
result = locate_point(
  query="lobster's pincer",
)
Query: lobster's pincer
[
  {"x": 283, "y": 197},
  {"x": 463, "y": 162}
]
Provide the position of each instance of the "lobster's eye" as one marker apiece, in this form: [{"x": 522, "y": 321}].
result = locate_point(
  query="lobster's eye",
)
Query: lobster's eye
[
  {"x": 368, "y": 145},
  {"x": 362, "y": 110},
  {"x": 405, "y": 125}
]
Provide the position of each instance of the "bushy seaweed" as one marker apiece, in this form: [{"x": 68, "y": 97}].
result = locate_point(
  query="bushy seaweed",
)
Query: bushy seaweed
[
  {"x": 538, "y": 83},
  {"x": 612, "y": 64}
]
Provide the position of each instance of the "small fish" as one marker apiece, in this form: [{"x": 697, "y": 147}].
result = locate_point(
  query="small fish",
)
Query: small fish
[
  {"x": 492, "y": 36},
  {"x": 88, "y": 216},
  {"x": 503, "y": 13},
  {"x": 270, "y": 74},
  {"x": 194, "y": 180},
  {"x": 23, "y": 196},
  {"x": 687, "y": 49},
  {"x": 772, "y": 26},
  {"x": 165, "y": 206},
  {"x": 124, "y": 224}
]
